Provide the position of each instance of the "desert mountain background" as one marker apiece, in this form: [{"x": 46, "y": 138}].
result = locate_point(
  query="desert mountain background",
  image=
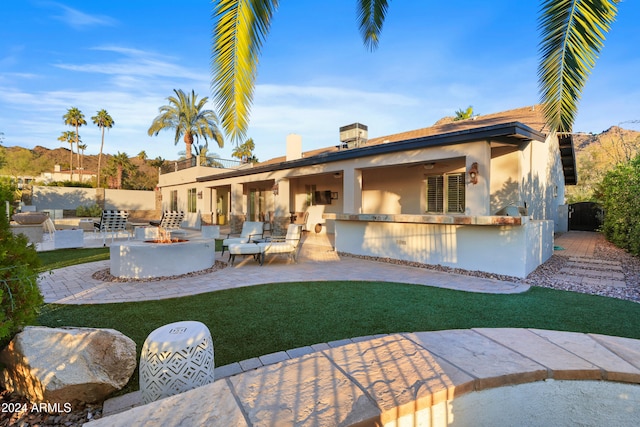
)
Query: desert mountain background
[{"x": 595, "y": 155}]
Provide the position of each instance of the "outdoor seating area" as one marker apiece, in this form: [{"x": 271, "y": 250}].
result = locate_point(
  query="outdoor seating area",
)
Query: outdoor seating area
[
  {"x": 111, "y": 221},
  {"x": 284, "y": 245},
  {"x": 251, "y": 230},
  {"x": 170, "y": 220}
]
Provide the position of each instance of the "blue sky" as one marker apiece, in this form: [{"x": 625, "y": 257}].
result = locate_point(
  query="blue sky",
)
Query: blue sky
[{"x": 315, "y": 74}]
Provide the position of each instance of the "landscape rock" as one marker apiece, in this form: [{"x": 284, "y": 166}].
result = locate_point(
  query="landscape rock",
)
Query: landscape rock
[{"x": 67, "y": 365}]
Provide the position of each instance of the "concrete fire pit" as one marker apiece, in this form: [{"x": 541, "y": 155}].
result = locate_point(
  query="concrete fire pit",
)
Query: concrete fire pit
[{"x": 144, "y": 259}]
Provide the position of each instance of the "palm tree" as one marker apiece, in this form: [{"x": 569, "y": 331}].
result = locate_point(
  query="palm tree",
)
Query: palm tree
[
  {"x": 244, "y": 152},
  {"x": 69, "y": 137},
  {"x": 118, "y": 165},
  {"x": 185, "y": 115},
  {"x": 103, "y": 120},
  {"x": 573, "y": 32},
  {"x": 463, "y": 114},
  {"x": 75, "y": 118}
]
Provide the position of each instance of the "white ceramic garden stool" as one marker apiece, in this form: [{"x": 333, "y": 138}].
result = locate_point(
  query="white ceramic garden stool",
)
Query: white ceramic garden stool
[{"x": 176, "y": 358}]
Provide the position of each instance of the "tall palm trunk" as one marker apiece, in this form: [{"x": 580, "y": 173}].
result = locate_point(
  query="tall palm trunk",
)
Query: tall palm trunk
[
  {"x": 78, "y": 152},
  {"x": 100, "y": 158},
  {"x": 188, "y": 142},
  {"x": 71, "y": 161}
]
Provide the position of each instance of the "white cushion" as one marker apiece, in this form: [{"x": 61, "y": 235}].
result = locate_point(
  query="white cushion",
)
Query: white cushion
[
  {"x": 252, "y": 228},
  {"x": 276, "y": 247},
  {"x": 244, "y": 249},
  {"x": 233, "y": 240}
]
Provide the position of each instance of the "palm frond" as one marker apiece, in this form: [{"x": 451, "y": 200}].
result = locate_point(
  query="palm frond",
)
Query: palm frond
[
  {"x": 240, "y": 29},
  {"x": 371, "y": 14},
  {"x": 573, "y": 33}
]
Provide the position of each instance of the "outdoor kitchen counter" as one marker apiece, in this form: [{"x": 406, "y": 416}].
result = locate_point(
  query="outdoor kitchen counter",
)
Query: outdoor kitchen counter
[{"x": 430, "y": 219}]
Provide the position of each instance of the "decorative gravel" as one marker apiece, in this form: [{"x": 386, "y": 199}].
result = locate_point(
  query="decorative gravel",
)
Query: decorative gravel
[
  {"x": 547, "y": 275},
  {"x": 105, "y": 275}
]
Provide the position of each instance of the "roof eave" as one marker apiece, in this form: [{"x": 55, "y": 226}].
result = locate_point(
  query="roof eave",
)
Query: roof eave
[{"x": 517, "y": 131}]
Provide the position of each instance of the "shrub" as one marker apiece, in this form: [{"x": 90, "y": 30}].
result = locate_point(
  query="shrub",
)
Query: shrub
[
  {"x": 620, "y": 194},
  {"x": 70, "y": 184},
  {"x": 90, "y": 211},
  {"x": 20, "y": 297}
]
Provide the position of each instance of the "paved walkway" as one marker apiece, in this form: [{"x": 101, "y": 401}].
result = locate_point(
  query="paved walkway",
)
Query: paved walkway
[
  {"x": 74, "y": 285},
  {"x": 583, "y": 267}
]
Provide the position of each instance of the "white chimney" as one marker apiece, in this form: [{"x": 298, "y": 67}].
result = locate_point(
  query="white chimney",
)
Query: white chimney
[
  {"x": 294, "y": 147},
  {"x": 56, "y": 168}
]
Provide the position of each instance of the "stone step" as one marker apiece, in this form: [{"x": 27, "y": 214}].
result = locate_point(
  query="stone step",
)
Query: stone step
[
  {"x": 590, "y": 281},
  {"x": 594, "y": 266},
  {"x": 592, "y": 273},
  {"x": 588, "y": 260}
]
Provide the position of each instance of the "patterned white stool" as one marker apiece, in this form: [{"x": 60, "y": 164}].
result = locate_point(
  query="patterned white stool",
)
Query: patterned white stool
[{"x": 176, "y": 358}]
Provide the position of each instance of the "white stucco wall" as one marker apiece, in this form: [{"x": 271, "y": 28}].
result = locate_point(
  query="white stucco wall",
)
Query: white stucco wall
[
  {"x": 542, "y": 403},
  {"x": 72, "y": 197},
  {"x": 510, "y": 250}
]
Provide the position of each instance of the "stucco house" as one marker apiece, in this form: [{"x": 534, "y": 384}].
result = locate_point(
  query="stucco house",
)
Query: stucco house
[{"x": 485, "y": 193}]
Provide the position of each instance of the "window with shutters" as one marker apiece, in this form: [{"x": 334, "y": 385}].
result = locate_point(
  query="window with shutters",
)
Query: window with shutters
[{"x": 446, "y": 193}]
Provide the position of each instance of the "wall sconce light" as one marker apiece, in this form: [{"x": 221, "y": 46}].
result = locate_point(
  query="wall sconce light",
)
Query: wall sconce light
[
  {"x": 428, "y": 166},
  {"x": 473, "y": 173},
  {"x": 199, "y": 194},
  {"x": 275, "y": 188}
]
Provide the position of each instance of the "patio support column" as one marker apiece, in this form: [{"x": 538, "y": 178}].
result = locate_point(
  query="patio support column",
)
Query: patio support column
[
  {"x": 282, "y": 206},
  {"x": 352, "y": 183},
  {"x": 210, "y": 203},
  {"x": 236, "y": 216},
  {"x": 478, "y": 196}
]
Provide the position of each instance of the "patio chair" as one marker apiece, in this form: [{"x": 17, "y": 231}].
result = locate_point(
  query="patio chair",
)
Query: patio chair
[
  {"x": 113, "y": 222},
  {"x": 268, "y": 221},
  {"x": 301, "y": 219},
  {"x": 283, "y": 245},
  {"x": 251, "y": 230},
  {"x": 169, "y": 220}
]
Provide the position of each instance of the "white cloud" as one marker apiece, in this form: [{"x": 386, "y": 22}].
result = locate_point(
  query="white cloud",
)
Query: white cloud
[{"x": 80, "y": 20}]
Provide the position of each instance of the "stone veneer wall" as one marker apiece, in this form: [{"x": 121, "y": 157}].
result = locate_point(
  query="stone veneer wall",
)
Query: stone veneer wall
[
  {"x": 420, "y": 378},
  {"x": 280, "y": 224}
]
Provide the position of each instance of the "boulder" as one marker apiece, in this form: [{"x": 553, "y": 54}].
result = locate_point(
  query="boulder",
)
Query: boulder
[{"x": 67, "y": 365}]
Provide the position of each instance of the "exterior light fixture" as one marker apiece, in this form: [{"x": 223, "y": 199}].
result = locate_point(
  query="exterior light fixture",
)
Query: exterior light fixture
[
  {"x": 275, "y": 188},
  {"x": 199, "y": 194},
  {"x": 473, "y": 173}
]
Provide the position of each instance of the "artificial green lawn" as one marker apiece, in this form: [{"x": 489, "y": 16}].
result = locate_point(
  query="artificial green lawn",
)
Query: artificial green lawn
[
  {"x": 66, "y": 257},
  {"x": 257, "y": 320}
]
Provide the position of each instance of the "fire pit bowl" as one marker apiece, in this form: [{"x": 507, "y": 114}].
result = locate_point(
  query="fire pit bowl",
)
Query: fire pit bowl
[
  {"x": 30, "y": 218},
  {"x": 148, "y": 259}
]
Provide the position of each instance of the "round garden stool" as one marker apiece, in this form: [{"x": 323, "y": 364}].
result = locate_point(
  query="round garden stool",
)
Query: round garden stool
[{"x": 175, "y": 358}]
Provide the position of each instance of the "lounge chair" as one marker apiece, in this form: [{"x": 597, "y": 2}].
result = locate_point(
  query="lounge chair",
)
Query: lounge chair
[
  {"x": 111, "y": 222},
  {"x": 283, "y": 245},
  {"x": 251, "y": 230},
  {"x": 170, "y": 220}
]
